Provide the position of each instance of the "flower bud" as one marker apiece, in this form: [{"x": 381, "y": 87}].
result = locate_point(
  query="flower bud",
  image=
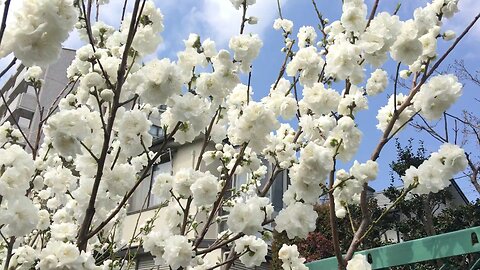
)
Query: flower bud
[
  {"x": 404, "y": 74},
  {"x": 107, "y": 95},
  {"x": 449, "y": 35},
  {"x": 252, "y": 20}
]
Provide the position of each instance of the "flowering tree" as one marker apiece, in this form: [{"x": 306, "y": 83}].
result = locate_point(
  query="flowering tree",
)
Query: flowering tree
[{"x": 52, "y": 213}]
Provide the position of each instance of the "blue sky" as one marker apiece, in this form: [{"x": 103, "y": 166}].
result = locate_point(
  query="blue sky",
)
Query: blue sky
[{"x": 218, "y": 20}]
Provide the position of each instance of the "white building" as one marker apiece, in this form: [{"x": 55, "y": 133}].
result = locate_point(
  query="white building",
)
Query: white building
[
  {"x": 457, "y": 199},
  {"x": 177, "y": 157},
  {"x": 22, "y": 100}
]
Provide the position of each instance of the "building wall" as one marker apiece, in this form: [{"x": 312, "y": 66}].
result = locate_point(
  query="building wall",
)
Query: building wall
[
  {"x": 55, "y": 80},
  {"x": 182, "y": 157},
  {"x": 21, "y": 98}
]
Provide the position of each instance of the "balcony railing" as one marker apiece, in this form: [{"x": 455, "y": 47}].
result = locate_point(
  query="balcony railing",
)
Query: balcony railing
[{"x": 425, "y": 249}]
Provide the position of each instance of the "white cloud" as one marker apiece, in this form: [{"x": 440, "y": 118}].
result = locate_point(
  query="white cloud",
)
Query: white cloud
[
  {"x": 222, "y": 20},
  {"x": 111, "y": 13},
  {"x": 73, "y": 41}
]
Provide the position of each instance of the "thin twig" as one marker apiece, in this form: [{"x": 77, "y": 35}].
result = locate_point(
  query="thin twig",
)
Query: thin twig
[
  {"x": 124, "y": 9},
  {"x": 284, "y": 65},
  {"x": 382, "y": 215},
  {"x": 279, "y": 7},
  {"x": 9, "y": 254},
  {"x": 395, "y": 89},
  {"x": 332, "y": 217},
  {"x": 83, "y": 234},
  {"x": 474, "y": 129},
  {"x": 445, "y": 125},
  {"x": 62, "y": 93},
  {"x": 248, "y": 84},
  {"x": 350, "y": 219},
  {"x": 92, "y": 43},
  {"x": 206, "y": 138},
  {"x": 229, "y": 260},
  {"x": 130, "y": 193},
  {"x": 220, "y": 197},
  {"x": 5, "y": 70},
  {"x": 372, "y": 13},
  {"x": 244, "y": 14}
]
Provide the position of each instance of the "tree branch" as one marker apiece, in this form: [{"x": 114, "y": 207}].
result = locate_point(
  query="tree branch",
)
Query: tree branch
[
  {"x": 83, "y": 234},
  {"x": 6, "y": 7}
]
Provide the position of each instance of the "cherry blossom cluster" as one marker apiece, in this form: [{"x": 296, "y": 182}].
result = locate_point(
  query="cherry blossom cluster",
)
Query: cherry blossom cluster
[
  {"x": 435, "y": 173},
  {"x": 37, "y": 30}
]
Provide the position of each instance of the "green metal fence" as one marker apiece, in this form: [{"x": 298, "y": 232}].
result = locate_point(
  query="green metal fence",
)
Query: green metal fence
[{"x": 420, "y": 250}]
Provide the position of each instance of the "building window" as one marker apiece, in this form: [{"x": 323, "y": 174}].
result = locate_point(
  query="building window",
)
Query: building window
[
  {"x": 24, "y": 122},
  {"x": 165, "y": 167},
  {"x": 278, "y": 188},
  {"x": 146, "y": 262},
  {"x": 156, "y": 132},
  {"x": 275, "y": 193},
  {"x": 142, "y": 198},
  {"x": 239, "y": 180}
]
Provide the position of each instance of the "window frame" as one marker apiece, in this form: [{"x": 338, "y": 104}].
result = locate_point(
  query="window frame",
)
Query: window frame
[{"x": 165, "y": 158}]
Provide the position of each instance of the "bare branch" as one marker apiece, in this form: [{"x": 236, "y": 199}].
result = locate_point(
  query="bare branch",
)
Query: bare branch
[{"x": 6, "y": 7}]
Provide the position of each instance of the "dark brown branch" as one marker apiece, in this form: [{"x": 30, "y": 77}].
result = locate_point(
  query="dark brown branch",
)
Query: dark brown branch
[
  {"x": 6, "y": 7},
  {"x": 206, "y": 139},
  {"x": 269, "y": 184},
  {"x": 395, "y": 89},
  {"x": 92, "y": 43},
  {"x": 445, "y": 125},
  {"x": 124, "y": 9},
  {"x": 321, "y": 26},
  {"x": 83, "y": 234},
  {"x": 474, "y": 129},
  {"x": 244, "y": 14},
  {"x": 9, "y": 254},
  {"x": 229, "y": 260},
  {"x": 430, "y": 130},
  {"x": 185, "y": 215},
  {"x": 284, "y": 65},
  {"x": 279, "y": 7},
  {"x": 215, "y": 245},
  {"x": 62, "y": 93},
  {"x": 333, "y": 220},
  {"x": 372, "y": 13},
  {"x": 223, "y": 192},
  {"x": 5, "y": 70},
  {"x": 459, "y": 38},
  {"x": 219, "y": 245}
]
